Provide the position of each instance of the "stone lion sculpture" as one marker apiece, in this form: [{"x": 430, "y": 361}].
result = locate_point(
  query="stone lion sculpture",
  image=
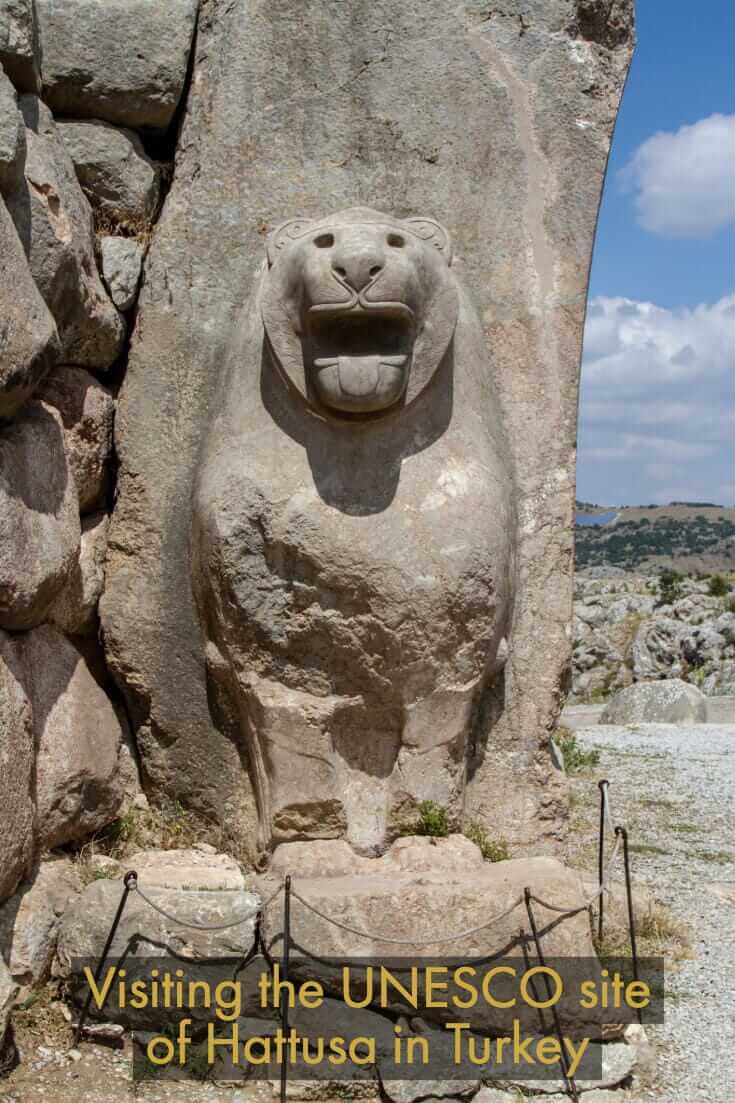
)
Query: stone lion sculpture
[{"x": 352, "y": 547}]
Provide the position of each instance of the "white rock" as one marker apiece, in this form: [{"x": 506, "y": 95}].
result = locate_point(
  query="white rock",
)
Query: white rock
[
  {"x": 665, "y": 702},
  {"x": 122, "y": 261},
  {"x": 187, "y": 870}
]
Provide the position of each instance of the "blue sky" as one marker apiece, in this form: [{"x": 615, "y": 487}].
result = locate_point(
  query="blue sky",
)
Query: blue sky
[{"x": 657, "y": 413}]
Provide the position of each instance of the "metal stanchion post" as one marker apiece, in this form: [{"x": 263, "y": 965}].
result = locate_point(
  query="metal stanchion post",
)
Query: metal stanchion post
[
  {"x": 557, "y": 1022},
  {"x": 629, "y": 896},
  {"x": 601, "y": 856},
  {"x": 284, "y": 993},
  {"x": 130, "y": 881}
]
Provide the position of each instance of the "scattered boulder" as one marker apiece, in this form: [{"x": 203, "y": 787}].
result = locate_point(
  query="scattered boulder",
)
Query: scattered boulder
[
  {"x": 124, "y": 61},
  {"x": 77, "y": 735},
  {"x": 656, "y": 649},
  {"x": 87, "y": 411},
  {"x": 30, "y": 340},
  {"x": 54, "y": 221},
  {"x": 122, "y": 261},
  {"x": 20, "y": 49},
  {"x": 16, "y": 769},
  {"x": 12, "y": 137},
  {"x": 721, "y": 682},
  {"x": 75, "y": 609},
  {"x": 120, "y": 180},
  {"x": 665, "y": 702},
  {"x": 29, "y": 920},
  {"x": 39, "y": 516}
]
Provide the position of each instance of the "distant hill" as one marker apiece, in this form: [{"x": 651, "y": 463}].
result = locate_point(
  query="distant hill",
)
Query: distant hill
[{"x": 688, "y": 536}]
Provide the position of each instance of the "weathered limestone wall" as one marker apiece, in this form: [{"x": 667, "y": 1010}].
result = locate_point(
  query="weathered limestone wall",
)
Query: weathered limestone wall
[
  {"x": 495, "y": 122},
  {"x": 78, "y": 201}
]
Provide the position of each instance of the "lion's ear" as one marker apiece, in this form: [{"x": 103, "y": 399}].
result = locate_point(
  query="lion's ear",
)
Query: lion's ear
[
  {"x": 433, "y": 233},
  {"x": 283, "y": 234}
]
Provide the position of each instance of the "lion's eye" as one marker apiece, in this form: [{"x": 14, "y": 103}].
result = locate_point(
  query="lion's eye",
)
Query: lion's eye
[
  {"x": 324, "y": 241},
  {"x": 396, "y": 240}
]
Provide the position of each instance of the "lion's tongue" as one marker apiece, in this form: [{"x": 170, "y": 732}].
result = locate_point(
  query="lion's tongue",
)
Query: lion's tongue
[{"x": 358, "y": 375}]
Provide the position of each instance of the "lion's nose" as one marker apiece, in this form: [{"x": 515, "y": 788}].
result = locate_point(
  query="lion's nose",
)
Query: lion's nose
[{"x": 358, "y": 267}]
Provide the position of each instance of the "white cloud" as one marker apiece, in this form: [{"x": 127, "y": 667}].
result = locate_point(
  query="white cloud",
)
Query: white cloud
[
  {"x": 685, "y": 180},
  {"x": 658, "y": 402}
]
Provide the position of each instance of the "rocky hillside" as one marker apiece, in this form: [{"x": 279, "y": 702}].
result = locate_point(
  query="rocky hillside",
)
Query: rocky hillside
[
  {"x": 686, "y": 536},
  {"x": 632, "y": 628}
]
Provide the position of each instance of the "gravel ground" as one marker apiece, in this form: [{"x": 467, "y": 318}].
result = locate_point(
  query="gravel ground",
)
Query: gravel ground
[{"x": 674, "y": 788}]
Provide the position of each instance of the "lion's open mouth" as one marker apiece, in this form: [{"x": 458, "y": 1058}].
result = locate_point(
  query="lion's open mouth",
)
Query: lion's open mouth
[{"x": 360, "y": 358}]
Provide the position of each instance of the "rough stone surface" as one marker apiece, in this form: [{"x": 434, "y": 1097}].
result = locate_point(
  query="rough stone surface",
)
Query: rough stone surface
[
  {"x": 20, "y": 49},
  {"x": 87, "y": 922},
  {"x": 87, "y": 410},
  {"x": 54, "y": 222},
  {"x": 435, "y": 902},
  {"x": 29, "y": 920},
  {"x": 617, "y": 1062},
  {"x": 121, "y": 182},
  {"x": 16, "y": 769},
  {"x": 8, "y": 991},
  {"x": 623, "y": 633},
  {"x": 122, "y": 261},
  {"x": 77, "y": 735},
  {"x": 416, "y": 853},
  {"x": 39, "y": 516},
  {"x": 656, "y": 650},
  {"x": 359, "y": 679},
  {"x": 120, "y": 60},
  {"x": 30, "y": 342},
  {"x": 12, "y": 137},
  {"x": 75, "y": 609},
  {"x": 669, "y": 702},
  {"x": 408, "y": 107},
  {"x": 193, "y": 869}
]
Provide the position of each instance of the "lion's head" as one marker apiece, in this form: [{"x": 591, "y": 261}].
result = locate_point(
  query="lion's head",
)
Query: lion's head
[{"x": 359, "y": 308}]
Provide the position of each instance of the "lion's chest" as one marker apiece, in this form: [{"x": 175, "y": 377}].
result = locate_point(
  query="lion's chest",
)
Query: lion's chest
[{"x": 404, "y": 581}]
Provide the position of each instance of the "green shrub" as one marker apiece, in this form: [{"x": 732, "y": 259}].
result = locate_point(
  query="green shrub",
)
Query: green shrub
[
  {"x": 718, "y": 586},
  {"x": 669, "y": 587},
  {"x": 433, "y": 820},
  {"x": 491, "y": 851},
  {"x": 574, "y": 757}
]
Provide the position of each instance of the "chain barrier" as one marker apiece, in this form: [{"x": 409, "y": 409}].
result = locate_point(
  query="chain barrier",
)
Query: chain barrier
[
  {"x": 457, "y": 937},
  {"x": 131, "y": 884},
  {"x": 205, "y": 926}
]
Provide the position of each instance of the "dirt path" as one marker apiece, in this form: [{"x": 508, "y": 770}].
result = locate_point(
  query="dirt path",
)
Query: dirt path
[{"x": 674, "y": 788}]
